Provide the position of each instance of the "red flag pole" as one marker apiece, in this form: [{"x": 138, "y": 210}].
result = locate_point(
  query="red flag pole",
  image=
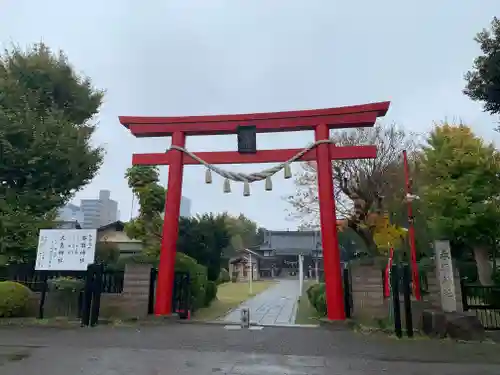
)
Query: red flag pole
[
  {"x": 411, "y": 231},
  {"x": 387, "y": 286}
]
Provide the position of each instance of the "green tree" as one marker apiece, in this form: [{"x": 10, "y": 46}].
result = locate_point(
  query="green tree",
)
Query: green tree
[
  {"x": 107, "y": 253},
  {"x": 364, "y": 188},
  {"x": 202, "y": 237},
  {"x": 483, "y": 81},
  {"x": 462, "y": 180},
  {"x": 46, "y": 112},
  {"x": 243, "y": 232},
  {"x": 147, "y": 226}
]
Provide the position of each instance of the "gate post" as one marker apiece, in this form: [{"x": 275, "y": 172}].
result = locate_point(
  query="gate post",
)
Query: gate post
[
  {"x": 170, "y": 231},
  {"x": 331, "y": 253},
  {"x": 96, "y": 294},
  {"x": 152, "y": 289}
]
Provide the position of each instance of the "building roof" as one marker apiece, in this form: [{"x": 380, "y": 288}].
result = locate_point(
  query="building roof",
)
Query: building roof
[
  {"x": 295, "y": 243},
  {"x": 67, "y": 224},
  {"x": 292, "y": 242},
  {"x": 243, "y": 255},
  {"x": 119, "y": 226}
]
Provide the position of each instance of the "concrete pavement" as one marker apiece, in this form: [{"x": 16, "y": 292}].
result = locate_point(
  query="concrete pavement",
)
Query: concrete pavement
[
  {"x": 195, "y": 349},
  {"x": 275, "y": 306}
]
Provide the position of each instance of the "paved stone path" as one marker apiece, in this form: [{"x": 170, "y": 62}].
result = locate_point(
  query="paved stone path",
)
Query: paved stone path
[
  {"x": 193, "y": 349},
  {"x": 276, "y": 305}
]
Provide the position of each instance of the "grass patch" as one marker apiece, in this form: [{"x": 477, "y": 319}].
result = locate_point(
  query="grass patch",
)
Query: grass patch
[
  {"x": 306, "y": 313},
  {"x": 229, "y": 296}
]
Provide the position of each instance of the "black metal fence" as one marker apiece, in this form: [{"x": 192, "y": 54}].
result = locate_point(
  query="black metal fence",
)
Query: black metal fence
[
  {"x": 484, "y": 302},
  {"x": 181, "y": 294},
  {"x": 424, "y": 283},
  {"x": 96, "y": 278},
  {"x": 112, "y": 280}
]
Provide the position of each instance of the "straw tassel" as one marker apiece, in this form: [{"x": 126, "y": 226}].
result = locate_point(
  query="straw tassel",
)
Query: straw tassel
[
  {"x": 227, "y": 186},
  {"x": 269, "y": 184},
  {"x": 288, "y": 171},
  {"x": 246, "y": 189},
  {"x": 208, "y": 176}
]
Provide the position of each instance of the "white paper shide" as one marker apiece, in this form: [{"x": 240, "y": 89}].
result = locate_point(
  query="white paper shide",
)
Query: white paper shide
[{"x": 65, "y": 249}]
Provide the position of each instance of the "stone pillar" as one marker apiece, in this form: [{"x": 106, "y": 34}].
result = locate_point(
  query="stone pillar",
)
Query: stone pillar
[
  {"x": 133, "y": 301},
  {"x": 447, "y": 277}
]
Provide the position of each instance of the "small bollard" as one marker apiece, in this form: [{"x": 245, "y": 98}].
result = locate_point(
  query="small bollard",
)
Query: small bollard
[{"x": 245, "y": 317}]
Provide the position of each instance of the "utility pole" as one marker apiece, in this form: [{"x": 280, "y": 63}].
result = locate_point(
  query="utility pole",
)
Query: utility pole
[
  {"x": 411, "y": 229},
  {"x": 250, "y": 275},
  {"x": 301, "y": 273},
  {"x": 316, "y": 270}
]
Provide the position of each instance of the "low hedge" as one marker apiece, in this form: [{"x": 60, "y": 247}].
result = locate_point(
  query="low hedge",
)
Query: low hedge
[
  {"x": 316, "y": 295},
  {"x": 14, "y": 299},
  {"x": 197, "y": 276}
]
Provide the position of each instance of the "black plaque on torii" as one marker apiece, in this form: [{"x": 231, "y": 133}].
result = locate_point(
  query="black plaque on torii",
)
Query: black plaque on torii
[{"x": 247, "y": 139}]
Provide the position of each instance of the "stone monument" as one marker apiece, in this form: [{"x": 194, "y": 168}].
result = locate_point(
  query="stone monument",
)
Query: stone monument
[{"x": 446, "y": 276}]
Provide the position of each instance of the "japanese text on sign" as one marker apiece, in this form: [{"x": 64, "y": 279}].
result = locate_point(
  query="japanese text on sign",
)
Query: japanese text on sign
[{"x": 65, "y": 249}]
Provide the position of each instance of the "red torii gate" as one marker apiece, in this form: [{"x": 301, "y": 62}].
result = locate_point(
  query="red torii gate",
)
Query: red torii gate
[{"x": 319, "y": 120}]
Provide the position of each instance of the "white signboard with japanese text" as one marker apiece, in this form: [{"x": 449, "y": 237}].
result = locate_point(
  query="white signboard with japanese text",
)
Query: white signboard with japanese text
[
  {"x": 65, "y": 249},
  {"x": 446, "y": 276}
]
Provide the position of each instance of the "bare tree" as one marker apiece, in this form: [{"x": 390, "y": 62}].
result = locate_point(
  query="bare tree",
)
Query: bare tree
[{"x": 362, "y": 185}]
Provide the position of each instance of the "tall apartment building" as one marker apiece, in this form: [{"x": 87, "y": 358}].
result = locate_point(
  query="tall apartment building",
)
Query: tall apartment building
[{"x": 99, "y": 212}]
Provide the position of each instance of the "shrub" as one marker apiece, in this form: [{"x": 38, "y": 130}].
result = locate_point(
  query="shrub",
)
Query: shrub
[
  {"x": 107, "y": 252},
  {"x": 320, "y": 305},
  {"x": 211, "y": 292},
  {"x": 197, "y": 276},
  {"x": 316, "y": 294},
  {"x": 312, "y": 292},
  {"x": 66, "y": 292},
  {"x": 68, "y": 285},
  {"x": 223, "y": 276},
  {"x": 14, "y": 299}
]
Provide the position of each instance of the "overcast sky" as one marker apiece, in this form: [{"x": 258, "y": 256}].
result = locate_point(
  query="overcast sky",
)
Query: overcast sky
[{"x": 191, "y": 57}]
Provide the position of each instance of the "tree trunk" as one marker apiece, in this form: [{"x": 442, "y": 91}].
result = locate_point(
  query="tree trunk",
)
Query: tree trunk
[
  {"x": 484, "y": 270},
  {"x": 367, "y": 238}
]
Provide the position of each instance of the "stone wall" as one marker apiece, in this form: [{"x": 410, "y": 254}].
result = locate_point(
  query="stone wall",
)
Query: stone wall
[
  {"x": 133, "y": 301},
  {"x": 369, "y": 302},
  {"x": 367, "y": 292}
]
